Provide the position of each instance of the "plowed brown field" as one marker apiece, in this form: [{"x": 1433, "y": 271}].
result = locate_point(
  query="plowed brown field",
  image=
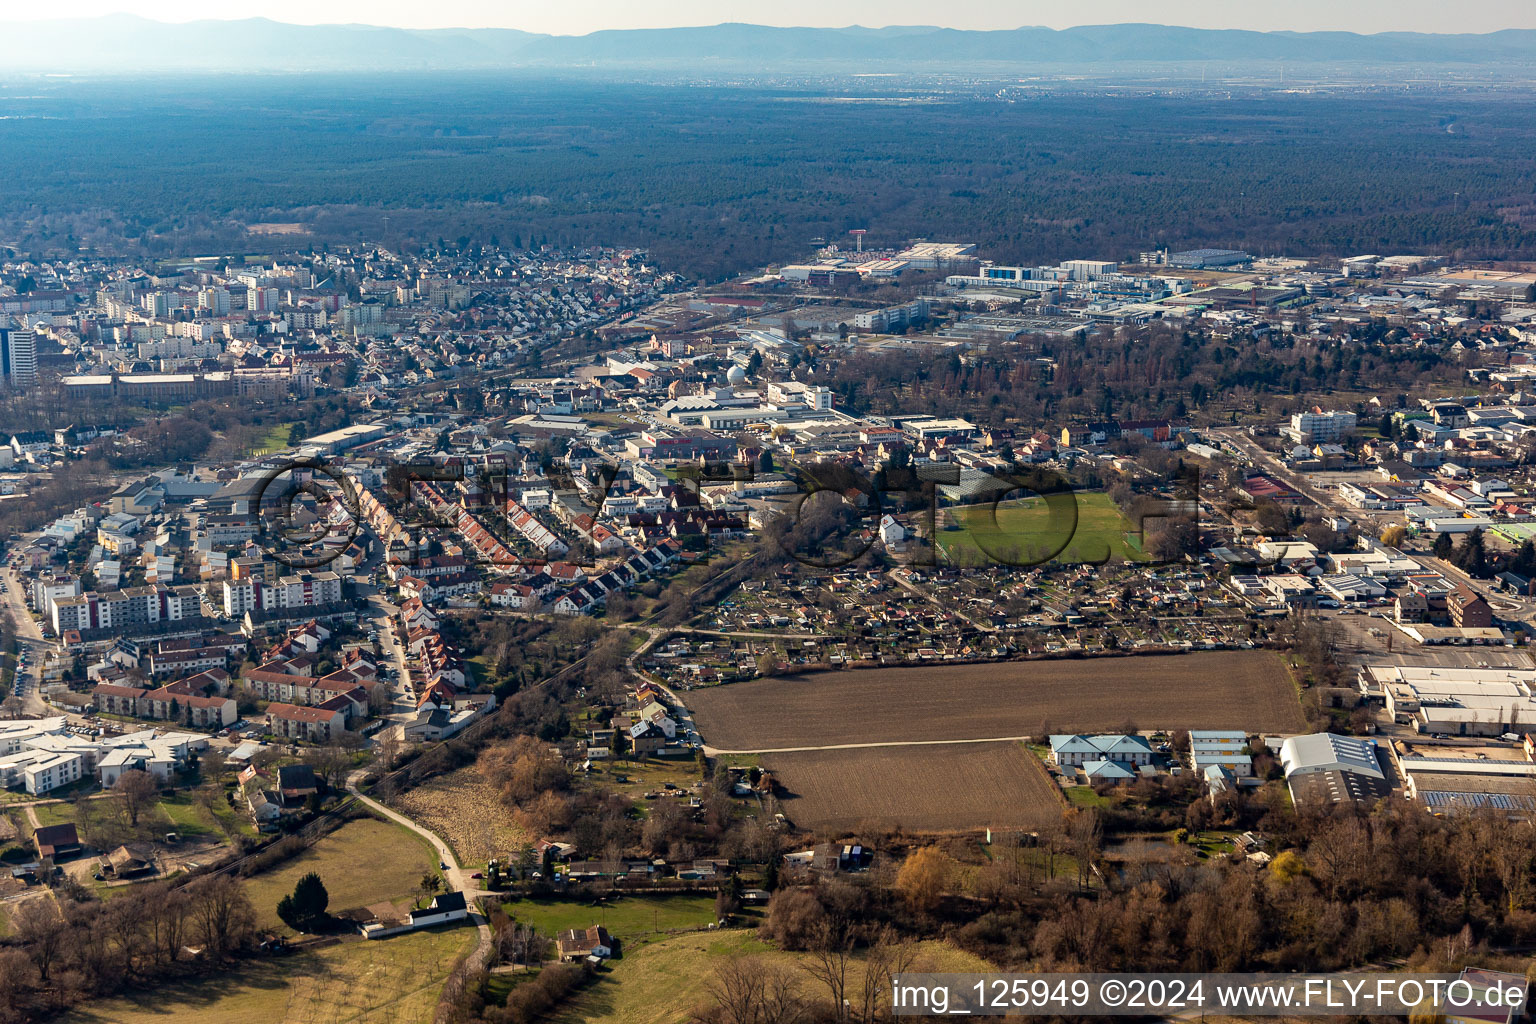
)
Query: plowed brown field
[
  {"x": 916, "y": 789},
  {"x": 1209, "y": 690}
]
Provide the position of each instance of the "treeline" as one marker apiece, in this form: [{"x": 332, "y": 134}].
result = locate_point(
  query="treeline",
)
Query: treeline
[
  {"x": 716, "y": 180},
  {"x": 1473, "y": 556},
  {"x": 67, "y": 951},
  {"x": 544, "y": 799},
  {"x": 1347, "y": 887}
]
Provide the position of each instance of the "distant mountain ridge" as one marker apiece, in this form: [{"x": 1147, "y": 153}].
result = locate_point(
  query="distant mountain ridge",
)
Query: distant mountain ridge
[{"x": 119, "y": 44}]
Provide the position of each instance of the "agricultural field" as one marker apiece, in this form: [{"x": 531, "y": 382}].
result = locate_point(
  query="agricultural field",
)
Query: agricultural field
[
  {"x": 463, "y": 808},
  {"x": 664, "y": 982},
  {"x": 380, "y": 982},
  {"x": 365, "y": 861},
  {"x": 1206, "y": 690},
  {"x": 1024, "y": 532},
  {"x": 916, "y": 789}
]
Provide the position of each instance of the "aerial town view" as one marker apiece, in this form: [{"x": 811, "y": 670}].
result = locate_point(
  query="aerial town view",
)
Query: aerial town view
[{"x": 592, "y": 518}]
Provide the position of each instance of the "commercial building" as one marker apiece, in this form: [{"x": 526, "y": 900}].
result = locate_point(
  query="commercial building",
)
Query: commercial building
[
  {"x": 1334, "y": 769},
  {"x": 1070, "y": 279},
  {"x": 1202, "y": 259},
  {"x": 347, "y": 437},
  {"x": 40, "y": 755},
  {"x": 1453, "y": 785},
  {"x": 892, "y": 318},
  {"x": 936, "y": 255},
  {"x": 1454, "y": 701},
  {"x": 1318, "y": 427}
]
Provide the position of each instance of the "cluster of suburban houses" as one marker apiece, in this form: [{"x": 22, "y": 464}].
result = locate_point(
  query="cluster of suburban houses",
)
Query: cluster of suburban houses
[
  {"x": 439, "y": 678},
  {"x": 537, "y": 577},
  {"x": 268, "y": 794},
  {"x": 308, "y": 706},
  {"x": 648, "y": 724}
]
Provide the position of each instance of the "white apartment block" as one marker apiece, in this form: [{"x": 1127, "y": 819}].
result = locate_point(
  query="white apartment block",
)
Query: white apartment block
[
  {"x": 1320, "y": 427},
  {"x": 304, "y": 590}
]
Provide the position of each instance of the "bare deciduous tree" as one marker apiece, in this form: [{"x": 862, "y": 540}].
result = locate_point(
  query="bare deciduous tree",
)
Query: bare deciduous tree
[
  {"x": 135, "y": 790},
  {"x": 750, "y": 990}
]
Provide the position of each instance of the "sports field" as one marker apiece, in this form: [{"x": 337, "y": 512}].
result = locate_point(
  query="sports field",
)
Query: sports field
[{"x": 1028, "y": 531}]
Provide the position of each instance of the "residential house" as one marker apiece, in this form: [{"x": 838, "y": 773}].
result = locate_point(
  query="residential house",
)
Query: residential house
[{"x": 580, "y": 943}]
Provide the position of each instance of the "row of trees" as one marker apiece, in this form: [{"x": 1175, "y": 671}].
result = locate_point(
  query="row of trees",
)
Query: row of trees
[
  {"x": 1473, "y": 556},
  {"x": 68, "y": 951}
]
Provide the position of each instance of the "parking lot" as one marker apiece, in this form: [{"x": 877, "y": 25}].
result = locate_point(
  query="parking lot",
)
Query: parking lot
[{"x": 1359, "y": 644}]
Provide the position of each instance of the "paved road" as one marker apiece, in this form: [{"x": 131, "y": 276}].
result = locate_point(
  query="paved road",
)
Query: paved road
[{"x": 29, "y": 639}]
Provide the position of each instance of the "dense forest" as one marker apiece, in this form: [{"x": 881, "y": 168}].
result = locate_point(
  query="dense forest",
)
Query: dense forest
[
  {"x": 1142, "y": 373},
  {"x": 715, "y": 179}
]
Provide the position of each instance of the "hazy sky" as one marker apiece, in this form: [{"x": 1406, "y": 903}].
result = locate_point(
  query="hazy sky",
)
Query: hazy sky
[{"x": 581, "y": 16}]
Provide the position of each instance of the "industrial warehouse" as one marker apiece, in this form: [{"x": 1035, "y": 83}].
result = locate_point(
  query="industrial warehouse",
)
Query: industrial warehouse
[{"x": 1454, "y": 701}]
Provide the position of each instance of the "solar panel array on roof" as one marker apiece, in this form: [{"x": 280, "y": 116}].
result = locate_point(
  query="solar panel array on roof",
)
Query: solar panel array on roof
[{"x": 1448, "y": 800}]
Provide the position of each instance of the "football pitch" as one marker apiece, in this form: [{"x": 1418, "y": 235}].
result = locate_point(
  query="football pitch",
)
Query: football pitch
[{"x": 1027, "y": 532}]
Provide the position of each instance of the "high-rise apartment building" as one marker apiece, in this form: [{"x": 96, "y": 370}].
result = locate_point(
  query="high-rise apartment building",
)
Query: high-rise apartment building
[{"x": 18, "y": 356}]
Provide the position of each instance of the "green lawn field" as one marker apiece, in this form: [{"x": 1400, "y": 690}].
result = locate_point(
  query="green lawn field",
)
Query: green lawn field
[
  {"x": 1025, "y": 531},
  {"x": 633, "y": 920},
  {"x": 365, "y": 861}
]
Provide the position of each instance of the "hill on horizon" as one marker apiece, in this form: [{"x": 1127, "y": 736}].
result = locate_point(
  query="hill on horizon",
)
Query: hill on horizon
[{"x": 127, "y": 44}]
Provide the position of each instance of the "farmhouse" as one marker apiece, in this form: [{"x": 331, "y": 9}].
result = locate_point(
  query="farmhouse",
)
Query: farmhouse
[
  {"x": 57, "y": 841},
  {"x": 385, "y": 919},
  {"x": 578, "y": 944}
]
